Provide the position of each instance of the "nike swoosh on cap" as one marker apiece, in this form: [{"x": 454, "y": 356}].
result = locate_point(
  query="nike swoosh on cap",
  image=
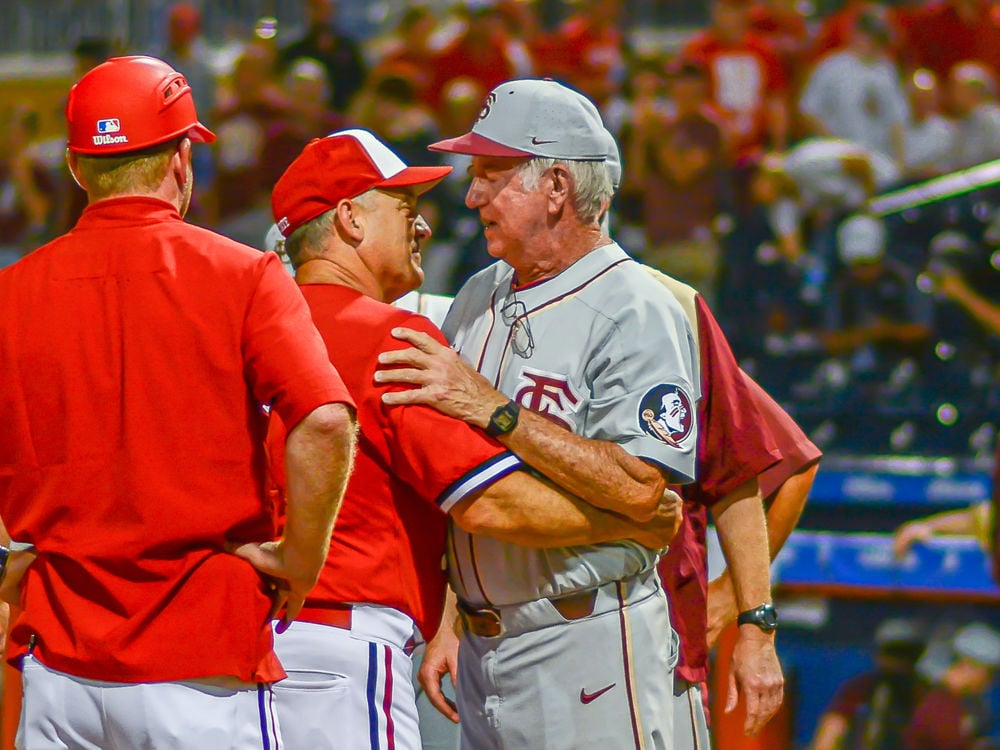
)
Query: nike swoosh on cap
[
  {"x": 536, "y": 142},
  {"x": 586, "y": 697}
]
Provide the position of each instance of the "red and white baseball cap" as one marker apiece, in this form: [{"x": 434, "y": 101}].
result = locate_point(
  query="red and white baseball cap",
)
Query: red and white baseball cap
[
  {"x": 342, "y": 165},
  {"x": 534, "y": 117}
]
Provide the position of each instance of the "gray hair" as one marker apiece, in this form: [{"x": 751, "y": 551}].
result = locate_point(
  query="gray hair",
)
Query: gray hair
[
  {"x": 592, "y": 185},
  {"x": 307, "y": 241}
]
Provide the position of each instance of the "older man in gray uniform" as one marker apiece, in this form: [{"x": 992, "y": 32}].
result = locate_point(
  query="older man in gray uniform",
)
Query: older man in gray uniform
[{"x": 574, "y": 343}]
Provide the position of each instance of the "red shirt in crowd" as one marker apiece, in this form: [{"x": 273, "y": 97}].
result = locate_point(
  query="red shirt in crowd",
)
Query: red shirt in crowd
[
  {"x": 940, "y": 722},
  {"x": 937, "y": 37},
  {"x": 743, "y": 77},
  {"x": 413, "y": 464},
  {"x": 488, "y": 64},
  {"x": 136, "y": 352},
  {"x": 787, "y": 33},
  {"x": 734, "y": 446},
  {"x": 587, "y": 55}
]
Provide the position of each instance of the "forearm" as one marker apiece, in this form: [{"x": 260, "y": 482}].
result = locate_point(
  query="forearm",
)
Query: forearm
[
  {"x": 319, "y": 454},
  {"x": 601, "y": 473},
  {"x": 786, "y": 507},
  {"x": 955, "y": 523},
  {"x": 533, "y": 512},
  {"x": 742, "y": 529},
  {"x": 986, "y": 313},
  {"x": 782, "y": 517}
]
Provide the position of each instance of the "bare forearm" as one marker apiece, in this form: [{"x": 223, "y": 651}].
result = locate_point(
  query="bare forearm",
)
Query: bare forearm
[
  {"x": 786, "y": 507},
  {"x": 319, "y": 454},
  {"x": 533, "y": 512},
  {"x": 983, "y": 311},
  {"x": 742, "y": 528},
  {"x": 601, "y": 473}
]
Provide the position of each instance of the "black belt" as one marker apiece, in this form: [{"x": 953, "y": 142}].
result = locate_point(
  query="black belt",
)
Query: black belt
[{"x": 487, "y": 623}]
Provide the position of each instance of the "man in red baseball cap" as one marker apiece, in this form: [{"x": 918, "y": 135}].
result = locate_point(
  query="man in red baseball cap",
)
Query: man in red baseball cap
[
  {"x": 348, "y": 208},
  {"x": 137, "y": 352}
]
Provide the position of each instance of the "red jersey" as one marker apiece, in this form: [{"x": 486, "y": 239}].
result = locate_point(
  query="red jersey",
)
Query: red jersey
[
  {"x": 743, "y": 76},
  {"x": 590, "y": 57},
  {"x": 797, "y": 451},
  {"x": 487, "y": 64},
  {"x": 413, "y": 464},
  {"x": 135, "y": 353},
  {"x": 938, "y": 38},
  {"x": 734, "y": 446}
]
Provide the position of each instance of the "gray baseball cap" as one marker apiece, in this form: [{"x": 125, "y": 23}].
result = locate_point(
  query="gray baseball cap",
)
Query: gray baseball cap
[
  {"x": 534, "y": 117},
  {"x": 978, "y": 642},
  {"x": 614, "y": 160}
]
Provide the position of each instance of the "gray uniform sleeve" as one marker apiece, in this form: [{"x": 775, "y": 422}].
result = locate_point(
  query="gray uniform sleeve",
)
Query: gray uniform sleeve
[{"x": 645, "y": 387}]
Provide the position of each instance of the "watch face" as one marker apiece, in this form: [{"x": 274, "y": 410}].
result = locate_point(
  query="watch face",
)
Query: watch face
[
  {"x": 769, "y": 617},
  {"x": 505, "y": 421}
]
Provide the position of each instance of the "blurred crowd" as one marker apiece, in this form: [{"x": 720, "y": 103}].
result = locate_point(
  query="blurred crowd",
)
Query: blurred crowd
[{"x": 751, "y": 150}]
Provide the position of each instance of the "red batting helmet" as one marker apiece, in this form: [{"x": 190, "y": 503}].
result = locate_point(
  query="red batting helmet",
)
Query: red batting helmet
[{"x": 131, "y": 103}]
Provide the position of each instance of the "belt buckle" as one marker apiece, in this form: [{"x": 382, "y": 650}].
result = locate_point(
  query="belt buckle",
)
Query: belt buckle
[{"x": 469, "y": 615}]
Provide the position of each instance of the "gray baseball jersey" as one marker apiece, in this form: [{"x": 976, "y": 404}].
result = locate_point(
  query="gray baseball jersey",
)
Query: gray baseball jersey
[{"x": 601, "y": 350}]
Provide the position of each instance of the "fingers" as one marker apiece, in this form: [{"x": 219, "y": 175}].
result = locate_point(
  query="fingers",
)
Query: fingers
[
  {"x": 753, "y": 708},
  {"x": 732, "y": 695},
  {"x": 412, "y": 357},
  {"x": 430, "y": 675},
  {"x": 261, "y": 558},
  {"x": 293, "y": 606},
  {"x": 402, "y": 398},
  {"x": 421, "y": 340},
  {"x": 408, "y": 375},
  {"x": 441, "y": 702}
]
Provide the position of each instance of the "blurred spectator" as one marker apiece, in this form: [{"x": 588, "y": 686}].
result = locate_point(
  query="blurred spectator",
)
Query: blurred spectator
[
  {"x": 27, "y": 188},
  {"x": 252, "y": 105},
  {"x": 88, "y": 53},
  {"x": 478, "y": 51},
  {"x": 409, "y": 50},
  {"x": 929, "y": 136},
  {"x": 747, "y": 80},
  {"x": 835, "y": 30},
  {"x": 336, "y": 51},
  {"x": 815, "y": 180},
  {"x": 677, "y": 166},
  {"x": 856, "y": 93},
  {"x": 392, "y": 110},
  {"x": 875, "y": 313},
  {"x": 309, "y": 116},
  {"x": 783, "y": 25},
  {"x": 974, "y": 101},
  {"x": 186, "y": 52},
  {"x": 943, "y": 33},
  {"x": 976, "y": 521},
  {"x": 645, "y": 92},
  {"x": 871, "y": 710},
  {"x": 953, "y": 715},
  {"x": 588, "y": 50}
]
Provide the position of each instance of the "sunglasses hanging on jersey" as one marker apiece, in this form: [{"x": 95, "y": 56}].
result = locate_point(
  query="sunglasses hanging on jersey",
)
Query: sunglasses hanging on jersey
[{"x": 515, "y": 314}]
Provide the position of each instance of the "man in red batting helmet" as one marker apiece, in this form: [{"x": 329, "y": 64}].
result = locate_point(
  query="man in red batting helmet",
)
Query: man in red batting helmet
[{"x": 137, "y": 355}]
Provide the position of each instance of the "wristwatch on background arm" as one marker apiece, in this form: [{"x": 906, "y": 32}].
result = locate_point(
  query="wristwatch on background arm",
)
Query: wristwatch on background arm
[
  {"x": 4, "y": 556},
  {"x": 764, "y": 617},
  {"x": 504, "y": 419}
]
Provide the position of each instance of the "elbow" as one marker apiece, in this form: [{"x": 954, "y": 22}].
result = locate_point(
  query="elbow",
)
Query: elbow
[
  {"x": 335, "y": 426},
  {"x": 648, "y": 498},
  {"x": 480, "y": 515}
]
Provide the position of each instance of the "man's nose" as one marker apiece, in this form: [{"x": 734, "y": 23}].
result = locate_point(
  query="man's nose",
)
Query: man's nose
[
  {"x": 422, "y": 228},
  {"x": 474, "y": 196}
]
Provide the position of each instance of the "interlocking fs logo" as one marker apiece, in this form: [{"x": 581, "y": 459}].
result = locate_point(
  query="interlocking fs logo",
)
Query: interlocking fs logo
[
  {"x": 488, "y": 106},
  {"x": 665, "y": 413},
  {"x": 547, "y": 394}
]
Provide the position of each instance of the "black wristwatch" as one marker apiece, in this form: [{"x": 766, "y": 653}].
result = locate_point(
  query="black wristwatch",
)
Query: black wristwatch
[
  {"x": 504, "y": 419},
  {"x": 764, "y": 617}
]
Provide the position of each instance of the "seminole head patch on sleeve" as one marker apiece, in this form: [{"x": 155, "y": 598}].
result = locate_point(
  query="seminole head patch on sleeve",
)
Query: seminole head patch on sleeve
[{"x": 665, "y": 413}]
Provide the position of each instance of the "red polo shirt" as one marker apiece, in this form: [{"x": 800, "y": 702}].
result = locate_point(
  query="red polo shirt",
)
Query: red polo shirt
[
  {"x": 734, "y": 446},
  {"x": 413, "y": 464},
  {"x": 135, "y": 352}
]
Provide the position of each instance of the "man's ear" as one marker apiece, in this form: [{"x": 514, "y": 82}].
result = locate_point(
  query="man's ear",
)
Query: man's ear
[
  {"x": 560, "y": 184},
  {"x": 181, "y": 161},
  {"x": 350, "y": 222},
  {"x": 73, "y": 162}
]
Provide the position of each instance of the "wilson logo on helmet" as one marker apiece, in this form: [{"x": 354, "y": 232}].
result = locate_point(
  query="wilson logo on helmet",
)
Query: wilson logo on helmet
[
  {"x": 111, "y": 125},
  {"x": 105, "y": 128}
]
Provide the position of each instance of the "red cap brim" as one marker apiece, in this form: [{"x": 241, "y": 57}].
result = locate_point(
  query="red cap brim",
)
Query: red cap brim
[
  {"x": 422, "y": 178},
  {"x": 201, "y": 134},
  {"x": 476, "y": 145}
]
